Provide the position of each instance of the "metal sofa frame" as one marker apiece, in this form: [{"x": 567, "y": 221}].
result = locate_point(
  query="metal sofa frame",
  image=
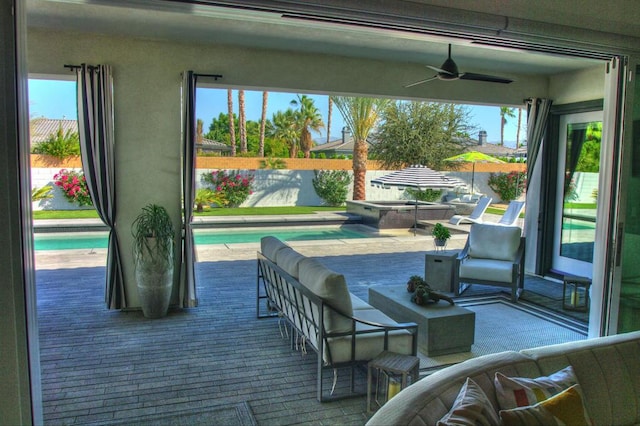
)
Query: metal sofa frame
[{"x": 279, "y": 294}]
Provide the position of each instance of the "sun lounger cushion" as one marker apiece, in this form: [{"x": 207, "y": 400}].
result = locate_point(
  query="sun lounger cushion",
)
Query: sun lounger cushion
[
  {"x": 494, "y": 242},
  {"x": 330, "y": 286},
  {"x": 269, "y": 247}
]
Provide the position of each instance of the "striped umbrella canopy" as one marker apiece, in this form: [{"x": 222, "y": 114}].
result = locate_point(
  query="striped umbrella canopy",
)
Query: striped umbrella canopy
[{"x": 417, "y": 176}]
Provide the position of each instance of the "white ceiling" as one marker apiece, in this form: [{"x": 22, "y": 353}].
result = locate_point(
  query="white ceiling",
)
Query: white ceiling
[{"x": 189, "y": 23}]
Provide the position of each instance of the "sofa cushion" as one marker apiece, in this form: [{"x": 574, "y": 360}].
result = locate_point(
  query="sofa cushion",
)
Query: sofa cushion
[
  {"x": 269, "y": 247},
  {"x": 565, "y": 408},
  {"x": 330, "y": 286},
  {"x": 369, "y": 345},
  {"x": 357, "y": 303},
  {"x": 472, "y": 407},
  {"x": 486, "y": 269},
  {"x": 490, "y": 241},
  {"x": 513, "y": 392},
  {"x": 289, "y": 259}
]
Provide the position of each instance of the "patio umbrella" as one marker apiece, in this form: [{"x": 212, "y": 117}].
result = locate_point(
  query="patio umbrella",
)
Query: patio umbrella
[
  {"x": 473, "y": 157},
  {"x": 419, "y": 177}
]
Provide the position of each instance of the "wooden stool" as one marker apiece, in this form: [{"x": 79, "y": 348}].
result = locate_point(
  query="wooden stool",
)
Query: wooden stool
[
  {"x": 391, "y": 366},
  {"x": 575, "y": 293}
]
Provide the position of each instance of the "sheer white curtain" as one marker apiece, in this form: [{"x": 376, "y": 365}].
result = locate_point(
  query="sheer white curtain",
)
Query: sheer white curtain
[
  {"x": 188, "y": 297},
  {"x": 96, "y": 130}
]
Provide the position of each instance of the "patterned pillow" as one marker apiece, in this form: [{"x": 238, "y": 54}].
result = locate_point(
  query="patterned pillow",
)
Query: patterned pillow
[
  {"x": 565, "y": 408},
  {"x": 471, "y": 407},
  {"x": 513, "y": 392}
]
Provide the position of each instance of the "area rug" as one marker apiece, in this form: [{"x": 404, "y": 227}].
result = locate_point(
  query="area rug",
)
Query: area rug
[
  {"x": 501, "y": 325},
  {"x": 228, "y": 415}
]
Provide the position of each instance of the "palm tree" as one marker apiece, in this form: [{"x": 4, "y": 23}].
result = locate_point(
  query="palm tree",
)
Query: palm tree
[
  {"x": 504, "y": 113},
  {"x": 329, "y": 112},
  {"x": 518, "y": 130},
  {"x": 263, "y": 122},
  {"x": 309, "y": 119},
  {"x": 242, "y": 122},
  {"x": 232, "y": 128},
  {"x": 361, "y": 116},
  {"x": 285, "y": 129}
]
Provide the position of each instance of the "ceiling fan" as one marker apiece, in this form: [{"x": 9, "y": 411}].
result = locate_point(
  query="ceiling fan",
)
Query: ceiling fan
[{"x": 449, "y": 71}]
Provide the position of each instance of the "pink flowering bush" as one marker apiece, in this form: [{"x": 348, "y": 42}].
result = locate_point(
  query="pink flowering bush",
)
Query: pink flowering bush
[
  {"x": 233, "y": 186},
  {"x": 74, "y": 187}
]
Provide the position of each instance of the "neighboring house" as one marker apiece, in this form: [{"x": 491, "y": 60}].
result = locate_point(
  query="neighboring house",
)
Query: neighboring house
[
  {"x": 342, "y": 146},
  {"x": 41, "y": 128},
  {"x": 204, "y": 145},
  {"x": 493, "y": 149}
]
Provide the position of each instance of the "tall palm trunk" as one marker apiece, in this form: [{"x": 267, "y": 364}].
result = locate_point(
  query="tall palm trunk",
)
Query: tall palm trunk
[
  {"x": 263, "y": 123},
  {"x": 242, "y": 122},
  {"x": 360, "y": 151},
  {"x": 329, "y": 113},
  {"x": 232, "y": 127}
]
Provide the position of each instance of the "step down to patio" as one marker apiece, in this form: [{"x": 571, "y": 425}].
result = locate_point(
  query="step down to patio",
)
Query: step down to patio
[{"x": 428, "y": 225}]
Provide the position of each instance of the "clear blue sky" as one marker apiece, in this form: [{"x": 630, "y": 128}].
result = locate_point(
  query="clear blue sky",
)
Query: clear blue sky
[{"x": 56, "y": 99}]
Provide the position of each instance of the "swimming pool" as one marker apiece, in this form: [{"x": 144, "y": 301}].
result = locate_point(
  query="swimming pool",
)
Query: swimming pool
[{"x": 98, "y": 240}]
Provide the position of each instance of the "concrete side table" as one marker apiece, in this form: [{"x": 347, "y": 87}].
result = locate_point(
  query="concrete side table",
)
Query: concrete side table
[
  {"x": 438, "y": 269},
  {"x": 392, "y": 372}
]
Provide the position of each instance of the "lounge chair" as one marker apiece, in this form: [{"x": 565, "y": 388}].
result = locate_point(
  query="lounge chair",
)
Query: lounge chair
[
  {"x": 476, "y": 214},
  {"x": 512, "y": 213}
]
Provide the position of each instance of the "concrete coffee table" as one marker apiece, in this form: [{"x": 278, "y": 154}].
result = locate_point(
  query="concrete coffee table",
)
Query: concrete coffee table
[{"x": 442, "y": 328}]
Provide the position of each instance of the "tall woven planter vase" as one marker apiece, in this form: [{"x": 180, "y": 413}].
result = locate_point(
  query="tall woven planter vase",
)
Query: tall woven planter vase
[{"x": 154, "y": 279}]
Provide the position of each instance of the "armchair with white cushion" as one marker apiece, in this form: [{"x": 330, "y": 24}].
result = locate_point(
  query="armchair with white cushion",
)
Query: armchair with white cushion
[{"x": 493, "y": 255}]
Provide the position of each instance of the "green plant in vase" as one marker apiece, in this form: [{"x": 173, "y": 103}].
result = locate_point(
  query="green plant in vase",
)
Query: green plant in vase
[
  {"x": 153, "y": 241},
  {"x": 441, "y": 235}
]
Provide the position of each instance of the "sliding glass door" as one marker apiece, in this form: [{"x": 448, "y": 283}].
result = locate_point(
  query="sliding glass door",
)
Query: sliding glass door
[{"x": 579, "y": 138}]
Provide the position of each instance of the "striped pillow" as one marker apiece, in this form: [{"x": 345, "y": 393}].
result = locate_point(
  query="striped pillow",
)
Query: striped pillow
[{"x": 513, "y": 392}]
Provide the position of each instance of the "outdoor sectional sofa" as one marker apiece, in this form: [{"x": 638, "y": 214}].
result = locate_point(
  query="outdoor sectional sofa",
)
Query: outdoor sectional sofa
[
  {"x": 315, "y": 301},
  {"x": 606, "y": 369}
]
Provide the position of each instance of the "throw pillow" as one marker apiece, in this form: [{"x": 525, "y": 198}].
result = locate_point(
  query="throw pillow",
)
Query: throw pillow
[
  {"x": 513, "y": 392},
  {"x": 565, "y": 408},
  {"x": 471, "y": 407}
]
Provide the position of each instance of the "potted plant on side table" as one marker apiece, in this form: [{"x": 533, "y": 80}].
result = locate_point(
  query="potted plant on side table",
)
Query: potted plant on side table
[
  {"x": 153, "y": 255},
  {"x": 441, "y": 235}
]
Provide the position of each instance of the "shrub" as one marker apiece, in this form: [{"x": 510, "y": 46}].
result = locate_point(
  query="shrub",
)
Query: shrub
[
  {"x": 59, "y": 145},
  {"x": 332, "y": 186},
  {"x": 234, "y": 188},
  {"x": 273, "y": 163},
  {"x": 43, "y": 193},
  {"x": 428, "y": 195},
  {"x": 74, "y": 187},
  {"x": 508, "y": 186}
]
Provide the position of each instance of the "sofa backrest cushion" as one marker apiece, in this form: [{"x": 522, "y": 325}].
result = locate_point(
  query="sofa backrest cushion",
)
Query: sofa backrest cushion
[
  {"x": 289, "y": 260},
  {"x": 332, "y": 288},
  {"x": 269, "y": 247},
  {"x": 496, "y": 242}
]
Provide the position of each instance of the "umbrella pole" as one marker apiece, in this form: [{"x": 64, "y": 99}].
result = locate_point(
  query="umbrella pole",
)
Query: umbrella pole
[
  {"x": 415, "y": 219},
  {"x": 473, "y": 175}
]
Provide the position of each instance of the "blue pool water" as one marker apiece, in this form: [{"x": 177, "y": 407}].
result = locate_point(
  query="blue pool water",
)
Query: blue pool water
[{"x": 98, "y": 241}]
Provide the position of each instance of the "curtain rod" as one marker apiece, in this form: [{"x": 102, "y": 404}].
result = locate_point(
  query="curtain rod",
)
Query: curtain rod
[
  {"x": 76, "y": 67},
  {"x": 214, "y": 76}
]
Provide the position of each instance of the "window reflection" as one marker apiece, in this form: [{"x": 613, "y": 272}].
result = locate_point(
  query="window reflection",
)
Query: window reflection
[{"x": 582, "y": 165}]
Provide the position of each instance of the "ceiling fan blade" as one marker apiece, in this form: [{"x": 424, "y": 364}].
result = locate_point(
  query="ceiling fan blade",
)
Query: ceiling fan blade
[
  {"x": 421, "y": 81},
  {"x": 439, "y": 70},
  {"x": 484, "y": 77}
]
